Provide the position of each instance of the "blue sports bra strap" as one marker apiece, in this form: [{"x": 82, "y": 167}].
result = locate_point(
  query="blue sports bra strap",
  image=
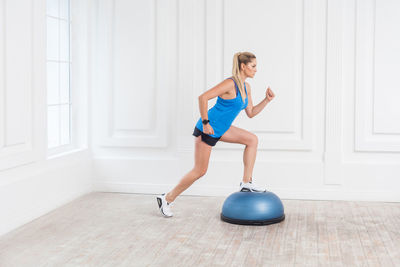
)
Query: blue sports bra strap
[{"x": 237, "y": 88}]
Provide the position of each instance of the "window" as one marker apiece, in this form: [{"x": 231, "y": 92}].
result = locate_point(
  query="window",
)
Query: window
[{"x": 58, "y": 74}]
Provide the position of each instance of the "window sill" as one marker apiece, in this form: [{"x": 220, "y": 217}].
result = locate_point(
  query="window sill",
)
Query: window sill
[{"x": 66, "y": 153}]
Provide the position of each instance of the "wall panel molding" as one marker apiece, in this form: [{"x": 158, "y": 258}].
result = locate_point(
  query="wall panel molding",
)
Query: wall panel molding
[
  {"x": 22, "y": 79},
  {"x": 368, "y": 138},
  {"x": 2, "y": 73},
  {"x": 214, "y": 18},
  {"x": 119, "y": 132},
  {"x": 335, "y": 86},
  {"x": 323, "y": 136}
]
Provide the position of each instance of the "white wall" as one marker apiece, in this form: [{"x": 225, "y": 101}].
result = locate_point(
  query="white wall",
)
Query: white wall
[
  {"x": 31, "y": 182},
  {"x": 332, "y": 132}
]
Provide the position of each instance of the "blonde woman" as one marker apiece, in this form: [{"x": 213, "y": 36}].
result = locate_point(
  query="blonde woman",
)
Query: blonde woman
[{"x": 234, "y": 95}]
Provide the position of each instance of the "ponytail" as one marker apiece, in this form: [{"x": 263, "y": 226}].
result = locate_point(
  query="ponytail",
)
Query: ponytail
[{"x": 238, "y": 59}]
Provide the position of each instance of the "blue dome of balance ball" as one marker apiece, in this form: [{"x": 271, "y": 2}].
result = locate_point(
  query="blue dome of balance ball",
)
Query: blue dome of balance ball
[{"x": 253, "y": 208}]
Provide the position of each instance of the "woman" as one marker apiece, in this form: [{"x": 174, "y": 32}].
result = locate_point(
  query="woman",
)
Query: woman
[{"x": 234, "y": 95}]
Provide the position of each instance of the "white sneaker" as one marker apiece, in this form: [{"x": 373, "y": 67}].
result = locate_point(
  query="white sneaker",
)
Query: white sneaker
[
  {"x": 164, "y": 206},
  {"x": 250, "y": 187}
]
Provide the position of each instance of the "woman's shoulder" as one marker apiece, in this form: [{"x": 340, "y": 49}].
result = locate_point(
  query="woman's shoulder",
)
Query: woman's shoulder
[{"x": 229, "y": 81}]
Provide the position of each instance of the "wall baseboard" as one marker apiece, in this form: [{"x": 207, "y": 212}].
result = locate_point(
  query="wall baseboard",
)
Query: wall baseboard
[{"x": 337, "y": 193}]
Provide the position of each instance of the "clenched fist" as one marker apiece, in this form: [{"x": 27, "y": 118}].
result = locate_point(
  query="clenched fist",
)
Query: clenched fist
[
  {"x": 269, "y": 94},
  {"x": 207, "y": 129}
]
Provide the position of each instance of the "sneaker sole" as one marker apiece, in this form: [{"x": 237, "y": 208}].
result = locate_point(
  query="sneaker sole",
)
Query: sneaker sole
[
  {"x": 159, "y": 202},
  {"x": 249, "y": 190}
]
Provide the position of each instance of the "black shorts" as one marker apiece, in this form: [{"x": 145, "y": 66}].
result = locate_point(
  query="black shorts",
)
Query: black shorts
[{"x": 209, "y": 140}]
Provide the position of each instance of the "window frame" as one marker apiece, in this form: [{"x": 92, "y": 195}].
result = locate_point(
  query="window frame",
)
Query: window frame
[{"x": 72, "y": 145}]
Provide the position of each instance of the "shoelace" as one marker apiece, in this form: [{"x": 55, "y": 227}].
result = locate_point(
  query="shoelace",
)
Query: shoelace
[{"x": 255, "y": 187}]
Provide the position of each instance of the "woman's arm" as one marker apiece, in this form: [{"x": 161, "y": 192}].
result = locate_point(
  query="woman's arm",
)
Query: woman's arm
[
  {"x": 219, "y": 89},
  {"x": 251, "y": 110}
]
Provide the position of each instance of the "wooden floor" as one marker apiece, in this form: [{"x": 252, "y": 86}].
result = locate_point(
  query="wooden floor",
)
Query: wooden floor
[{"x": 109, "y": 229}]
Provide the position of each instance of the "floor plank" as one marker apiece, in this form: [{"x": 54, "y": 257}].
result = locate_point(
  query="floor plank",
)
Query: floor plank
[{"x": 111, "y": 229}]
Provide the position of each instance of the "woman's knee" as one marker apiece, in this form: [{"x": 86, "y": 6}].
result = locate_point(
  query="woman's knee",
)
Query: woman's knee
[
  {"x": 200, "y": 171},
  {"x": 252, "y": 140}
]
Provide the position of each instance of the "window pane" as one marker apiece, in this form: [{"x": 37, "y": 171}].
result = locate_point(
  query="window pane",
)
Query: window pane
[
  {"x": 52, "y": 39},
  {"x": 52, "y": 83},
  {"x": 52, "y": 8},
  {"x": 65, "y": 122},
  {"x": 58, "y": 73},
  {"x": 64, "y": 9},
  {"x": 64, "y": 82},
  {"x": 64, "y": 40},
  {"x": 53, "y": 122}
]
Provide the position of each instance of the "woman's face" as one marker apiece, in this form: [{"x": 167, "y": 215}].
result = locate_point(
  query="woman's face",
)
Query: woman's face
[{"x": 251, "y": 68}]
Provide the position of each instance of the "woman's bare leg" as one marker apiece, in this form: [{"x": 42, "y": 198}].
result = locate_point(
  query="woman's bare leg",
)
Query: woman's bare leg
[
  {"x": 201, "y": 157},
  {"x": 241, "y": 136}
]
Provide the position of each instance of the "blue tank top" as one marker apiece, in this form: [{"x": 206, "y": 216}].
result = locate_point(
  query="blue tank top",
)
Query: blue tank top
[{"x": 224, "y": 112}]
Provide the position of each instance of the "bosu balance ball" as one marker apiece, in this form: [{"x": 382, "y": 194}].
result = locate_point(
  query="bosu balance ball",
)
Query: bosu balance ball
[{"x": 253, "y": 208}]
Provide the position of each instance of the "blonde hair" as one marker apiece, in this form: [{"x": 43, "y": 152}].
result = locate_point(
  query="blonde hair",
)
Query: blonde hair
[{"x": 238, "y": 59}]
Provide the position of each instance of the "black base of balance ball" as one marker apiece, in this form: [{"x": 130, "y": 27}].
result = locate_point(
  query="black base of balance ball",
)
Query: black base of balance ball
[{"x": 251, "y": 208}]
